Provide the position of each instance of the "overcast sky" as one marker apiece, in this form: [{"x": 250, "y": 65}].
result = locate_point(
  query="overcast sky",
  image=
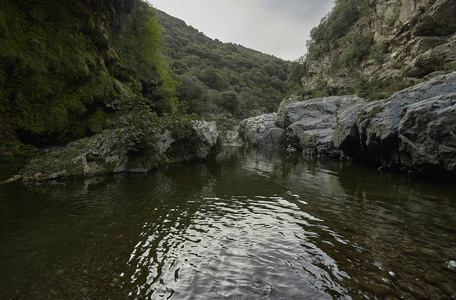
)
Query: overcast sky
[{"x": 280, "y": 28}]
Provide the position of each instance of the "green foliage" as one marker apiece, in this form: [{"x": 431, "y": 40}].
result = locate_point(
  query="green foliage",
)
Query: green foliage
[
  {"x": 335, "y": 25},
  {"x": 230, "y": 101},
  {"x": 394, "y": 18},
  {"x": 376, "y": 88},
  {"x": 48, "y": 75},
  {"x": 62, "y": 62},
  {"x": 359, "y": 47},
  {"x": 207, "y": 71},
  {"x": 320, "y": 90},
  {"x": 297, "y": 70},
  {"x": 138, "y": 40},
  {"x": 377, "y": 53},
  {"x": 450, "y": 67},
  {"x": 136, "y": 125}
]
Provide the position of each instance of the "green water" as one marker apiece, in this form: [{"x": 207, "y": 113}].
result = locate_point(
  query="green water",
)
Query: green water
[{"x": 257, "y": 224}]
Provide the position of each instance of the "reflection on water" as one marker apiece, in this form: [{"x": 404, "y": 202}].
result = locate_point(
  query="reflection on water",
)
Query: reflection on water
[{"x": 257, "y": 224}]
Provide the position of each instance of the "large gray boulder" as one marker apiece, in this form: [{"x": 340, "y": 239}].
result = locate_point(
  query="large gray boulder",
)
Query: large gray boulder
[
  {"x": 310, "y": 124},
  {"x": 414, "y": 129},
  {"x": 262, "y": 131},
  {"x": 427, "y": 135},
  {"x": 301, "y": 124},
  {"x": 104, "y": 154}
]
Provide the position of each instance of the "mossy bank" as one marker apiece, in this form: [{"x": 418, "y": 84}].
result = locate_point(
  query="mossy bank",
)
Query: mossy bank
[{"x": 62, "y": 63}]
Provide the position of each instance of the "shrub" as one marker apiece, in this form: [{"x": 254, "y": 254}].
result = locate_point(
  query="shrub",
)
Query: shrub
[
  {"x": 360, "y": 46},
  {"x": 376, "y": 88}
]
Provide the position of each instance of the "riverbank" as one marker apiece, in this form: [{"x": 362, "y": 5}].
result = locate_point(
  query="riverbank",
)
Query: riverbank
[
  {"x": 412, "y": 131},
  {"x": 107, "y": 154},
  {"x": 232, "y": 138}
]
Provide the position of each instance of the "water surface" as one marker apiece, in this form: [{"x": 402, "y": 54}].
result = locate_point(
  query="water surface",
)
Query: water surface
[{"x": 257, "y": 224}]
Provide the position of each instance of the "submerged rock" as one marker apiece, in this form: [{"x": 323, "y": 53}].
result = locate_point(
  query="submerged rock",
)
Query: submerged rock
[{"x": 103, "y": 154}]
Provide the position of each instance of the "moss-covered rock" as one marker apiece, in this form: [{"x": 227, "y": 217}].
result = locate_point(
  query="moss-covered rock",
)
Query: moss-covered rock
[{"x": 103, "y": 154}]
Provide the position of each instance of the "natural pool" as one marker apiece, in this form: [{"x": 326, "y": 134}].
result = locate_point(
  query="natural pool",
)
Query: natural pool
[{"x": 257, "y": 224}]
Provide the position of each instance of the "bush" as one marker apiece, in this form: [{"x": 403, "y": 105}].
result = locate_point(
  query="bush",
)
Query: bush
[
  {"x": 376, "y": 88},
  {"x": 214, "y": 70},
  {"x": 335, "y": 25},
  {"x": 359, "y": 48},
  {"x": 135, "y": 124}
]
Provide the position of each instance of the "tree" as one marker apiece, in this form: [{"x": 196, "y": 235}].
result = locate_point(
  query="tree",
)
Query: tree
[{"x": 230, "y": 101}]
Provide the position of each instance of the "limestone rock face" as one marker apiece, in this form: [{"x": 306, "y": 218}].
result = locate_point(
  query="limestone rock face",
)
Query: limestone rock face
[
  {"x": 102, "y": 154},
  {"x": 417, "y": 39},
  {"x": 310, "y": 124},
  {"x": 207, "y": 139},
  {"x": 412, "y": 130}
]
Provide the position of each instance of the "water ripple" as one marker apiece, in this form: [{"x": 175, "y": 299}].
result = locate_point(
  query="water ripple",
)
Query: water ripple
[{"x": 239, "y": 248}]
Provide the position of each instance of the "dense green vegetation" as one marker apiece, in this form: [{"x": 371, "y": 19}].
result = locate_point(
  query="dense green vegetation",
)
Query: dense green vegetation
[
  {"x": 333, "y": 33},
  {"x": 335, "y": 25},
  {"x": 221, "y": 79},
  {"x": 64, "y": 63},
  {"x": 347, "y": 50}
]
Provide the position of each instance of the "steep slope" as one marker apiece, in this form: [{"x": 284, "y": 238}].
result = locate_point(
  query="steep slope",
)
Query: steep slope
[
  {"x": 221, "y": 79},
  {"x": 383, "y": 46},
  {"x": 63, "y": 63}
]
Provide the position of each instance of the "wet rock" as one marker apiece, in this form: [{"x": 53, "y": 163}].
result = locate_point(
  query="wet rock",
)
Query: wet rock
[
  {"x": 261, "y": 131},
  {"x": 427, "y": 134},
  {"x": 414, "y": 129},
  {"x": 102, "y": 154},
  {"x": 451, "y": 265},
  {"x": 305, "y": 124},
  {"x": 207, "y": 139}
]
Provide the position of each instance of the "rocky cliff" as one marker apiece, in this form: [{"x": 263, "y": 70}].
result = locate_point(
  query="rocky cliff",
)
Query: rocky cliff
[
  {"x": 394, "y": 44},
  {"x": 413, "y": 130}
]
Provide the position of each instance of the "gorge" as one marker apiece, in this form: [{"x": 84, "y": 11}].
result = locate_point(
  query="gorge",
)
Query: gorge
[{"x": 119, "y": 178}]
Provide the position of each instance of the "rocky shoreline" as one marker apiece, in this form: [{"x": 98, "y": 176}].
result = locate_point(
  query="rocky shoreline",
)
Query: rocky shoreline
[
  {"x": 100, "y": 155},
  {"x": 413, "y": 130}
]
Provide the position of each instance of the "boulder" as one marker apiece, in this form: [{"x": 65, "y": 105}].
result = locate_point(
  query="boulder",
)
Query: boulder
[
  {"x": 414, "y": 129},
  {"x": 310, "y": 124},
  {"x": 262, "y": 131},
  {"x": 103, "y": 154},
  {"x": 427, "y": 135},
  {"x": 302, "y": 124}
]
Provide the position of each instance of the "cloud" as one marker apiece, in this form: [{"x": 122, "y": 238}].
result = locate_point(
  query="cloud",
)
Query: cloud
[{"x": 280, "y": 28}]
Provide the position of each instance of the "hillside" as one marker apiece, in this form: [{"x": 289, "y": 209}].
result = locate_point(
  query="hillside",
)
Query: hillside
[
  {"x": 218, "y": 79},
  {"x": 373, "y": 48},
  {"x": 69, "y": 69}
]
